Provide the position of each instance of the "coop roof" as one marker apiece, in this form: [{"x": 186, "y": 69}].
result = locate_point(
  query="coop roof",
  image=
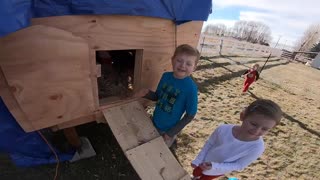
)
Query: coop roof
[{"x": 16, "y": 14}]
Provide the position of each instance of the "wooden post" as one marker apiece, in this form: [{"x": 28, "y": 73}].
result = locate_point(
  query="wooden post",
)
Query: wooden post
[{"x": 72, "y": 137}]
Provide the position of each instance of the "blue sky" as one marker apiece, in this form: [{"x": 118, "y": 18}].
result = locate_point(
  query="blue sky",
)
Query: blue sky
[
  {"x": 232, "y": 13},
  {"x": 288, "y": 19}
]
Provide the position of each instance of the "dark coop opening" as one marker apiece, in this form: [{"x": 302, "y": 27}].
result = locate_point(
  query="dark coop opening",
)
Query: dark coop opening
[{"x": 117, "y": 74}]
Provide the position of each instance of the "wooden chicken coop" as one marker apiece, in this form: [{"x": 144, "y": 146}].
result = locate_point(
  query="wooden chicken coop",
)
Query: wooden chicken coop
[
  {"x": 64, "y": 71},
  {"x": 60, "y": 69},
  {"x": 51, "y": 71}
]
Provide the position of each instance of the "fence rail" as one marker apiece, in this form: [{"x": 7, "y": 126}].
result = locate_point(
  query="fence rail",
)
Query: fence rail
[{"x": 213, "y": 45}]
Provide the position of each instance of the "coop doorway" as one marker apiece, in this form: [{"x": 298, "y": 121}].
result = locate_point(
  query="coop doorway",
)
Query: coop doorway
[{"x": 120, "y": 74}]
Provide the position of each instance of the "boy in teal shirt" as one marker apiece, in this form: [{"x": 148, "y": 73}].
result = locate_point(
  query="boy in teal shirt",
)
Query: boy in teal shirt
[{"x": 176, "y": 94}]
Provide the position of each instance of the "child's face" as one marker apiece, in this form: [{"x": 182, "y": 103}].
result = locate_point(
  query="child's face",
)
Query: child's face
[
  {"x": 183, "y": 65},
  {"x": 255, "y": 67},
  {"x": 256, "y": 125}
]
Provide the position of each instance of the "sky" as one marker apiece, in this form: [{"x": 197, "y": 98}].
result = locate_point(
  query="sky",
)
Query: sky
[{"x": 287, "y": 19}]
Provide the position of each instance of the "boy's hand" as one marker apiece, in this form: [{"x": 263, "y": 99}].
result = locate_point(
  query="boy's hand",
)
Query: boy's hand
[
  {"x": 141, "y": 93},
  {"x": 205, "y": 165},
  {"x": 167, "y": 139},
  {"x": 193, "y": 166}
]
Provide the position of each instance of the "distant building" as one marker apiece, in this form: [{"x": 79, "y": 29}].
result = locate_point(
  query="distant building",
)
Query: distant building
[{"x": 316, "y": 62}]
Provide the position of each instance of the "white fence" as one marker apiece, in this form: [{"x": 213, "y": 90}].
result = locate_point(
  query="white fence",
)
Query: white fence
[{"x": 211, "y": 46}]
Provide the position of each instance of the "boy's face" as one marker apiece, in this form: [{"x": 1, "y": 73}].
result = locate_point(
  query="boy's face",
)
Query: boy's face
[
  {"x": 256, "y": 125},
  {"x": 255, "y": 67},
  {"x": 183, "y": 65}
]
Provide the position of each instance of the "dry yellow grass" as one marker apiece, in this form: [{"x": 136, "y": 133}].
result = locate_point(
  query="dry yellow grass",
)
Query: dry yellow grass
[{"x": 292, "y": 148}]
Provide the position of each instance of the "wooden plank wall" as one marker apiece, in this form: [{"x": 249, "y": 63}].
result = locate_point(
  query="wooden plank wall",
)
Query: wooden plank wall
[
  {"x": 12, "y": 104},
  {"x": 189, "y": 33},
  {"x": 47, "y": 70},
  {"x": 154, "y": 36}
]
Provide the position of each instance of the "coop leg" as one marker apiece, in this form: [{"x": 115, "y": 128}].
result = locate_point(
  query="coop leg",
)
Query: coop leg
[
  {"x": 81, "y": 144},
  {"x": 72, "y": 137}
]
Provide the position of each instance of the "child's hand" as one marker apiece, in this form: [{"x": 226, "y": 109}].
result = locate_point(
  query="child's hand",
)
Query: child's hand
[
  {"x": 205, "y": 165},
  {"x": 193, "y": 166},
  {"x": 141, "y": 93},
  {"x": 166, "y": 137}
]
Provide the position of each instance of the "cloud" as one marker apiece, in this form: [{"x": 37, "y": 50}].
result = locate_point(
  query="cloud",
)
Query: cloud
[
  {"x": 228, "y": 23},
  {"x": 288, "y": 29},
  {"x": 286, "y": 18},
  {"x": 284, "y": 6}
]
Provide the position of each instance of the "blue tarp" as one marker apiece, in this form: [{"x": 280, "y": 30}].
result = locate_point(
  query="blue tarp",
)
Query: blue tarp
[
  {"x": 25, "y": 149},
  {"x": 16, "y": 14}
]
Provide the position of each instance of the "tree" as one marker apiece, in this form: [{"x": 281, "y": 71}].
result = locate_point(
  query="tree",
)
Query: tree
[
  {"x": 310, "y": 37},
  {"x": 216, "y": 29},
  {"x": 252, "y": 31}
]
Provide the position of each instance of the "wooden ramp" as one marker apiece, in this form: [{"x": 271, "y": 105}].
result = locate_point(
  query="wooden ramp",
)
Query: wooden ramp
[{"x": 142, "y": 144}]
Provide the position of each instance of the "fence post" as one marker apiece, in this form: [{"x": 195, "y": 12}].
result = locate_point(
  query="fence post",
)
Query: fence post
[{"x": 202, "y": 44}]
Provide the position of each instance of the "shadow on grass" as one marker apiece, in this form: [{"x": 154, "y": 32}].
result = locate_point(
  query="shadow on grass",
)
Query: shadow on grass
[
  {"x": 212, "y": 65},
  {"x": 217, "y": 80},
  {"x": 251, "y": 61},
  {"x": 224, "y": 64}
]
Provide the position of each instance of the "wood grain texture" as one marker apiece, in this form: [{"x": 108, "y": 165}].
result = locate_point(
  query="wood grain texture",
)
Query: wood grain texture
[
  {"x": 12, "y": 104},
  {"x": 189, "y": 33},
  {"x": 72, "y": 137},
  {"x": 51, "y": 68},
  {"x": 93, "y": 78},
  {"x": 96, "y": 117},
  {"x": 153, "y": 160},
  {"x": 130, "y": 125},
  {"x": 98, "y": 70},
  {"x": 48, "y": 71},
  {"x": 138, "y": 70},
  {"x": 154, "y": 36}
]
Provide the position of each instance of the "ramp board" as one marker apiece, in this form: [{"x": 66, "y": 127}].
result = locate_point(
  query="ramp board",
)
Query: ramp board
[
  {"x": 153, "y": 160},
  {"x": 142, "y": 144},
  {"x": 130, "y": 125}
]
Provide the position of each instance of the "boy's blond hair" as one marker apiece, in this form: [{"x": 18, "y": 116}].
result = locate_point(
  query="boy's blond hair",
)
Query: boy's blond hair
[
  {"x": 188, "y": 50},
  {"x": 266, "y": 108}
]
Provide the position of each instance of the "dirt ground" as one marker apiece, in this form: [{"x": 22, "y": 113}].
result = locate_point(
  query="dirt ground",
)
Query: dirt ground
[
  {"x": 109, "y": 164},
  {"x": 291, "y": 148}
]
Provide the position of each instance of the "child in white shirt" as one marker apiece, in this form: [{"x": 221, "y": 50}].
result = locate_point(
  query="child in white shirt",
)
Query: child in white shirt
[{"x": 234, "y": 147}]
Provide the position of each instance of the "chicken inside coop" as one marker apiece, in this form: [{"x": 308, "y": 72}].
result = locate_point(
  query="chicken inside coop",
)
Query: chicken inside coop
[{"x": 117, "y": 73}]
